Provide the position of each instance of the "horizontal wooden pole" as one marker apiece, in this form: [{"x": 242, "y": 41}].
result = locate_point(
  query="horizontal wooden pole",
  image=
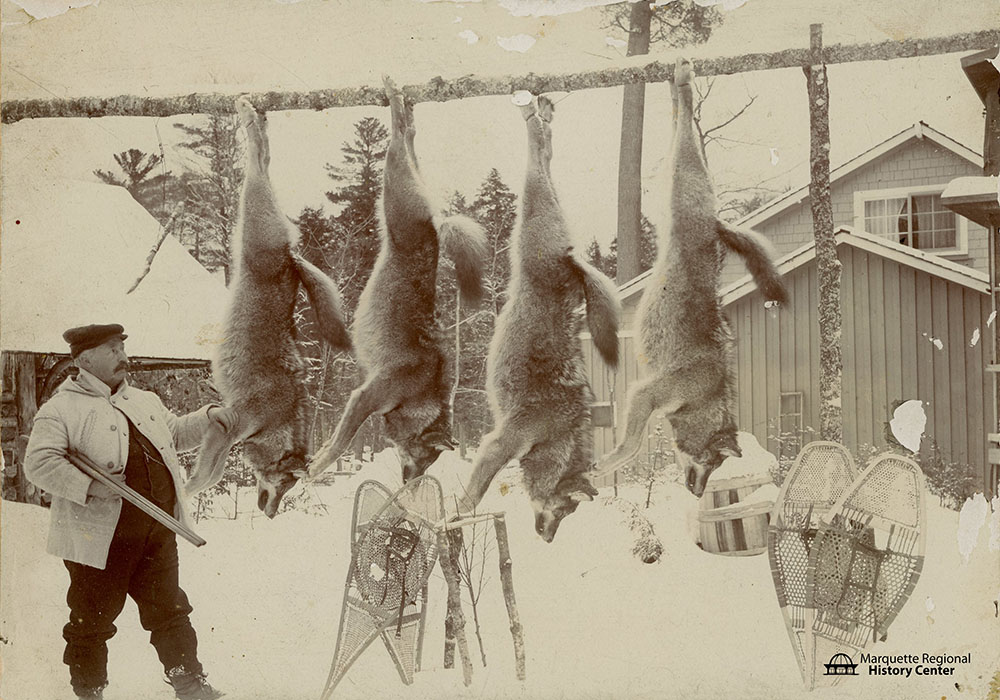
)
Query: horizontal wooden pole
[
  {"x": 440, "y": 90},
  {"x": 471, "y": 520}
]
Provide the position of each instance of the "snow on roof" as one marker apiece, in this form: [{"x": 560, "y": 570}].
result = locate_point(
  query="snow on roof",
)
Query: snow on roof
[
  {"x": 862, "y": 240},
  {"x": 926, "y": 262},
  {"x": 976, "y": 197},
  {"x": 919, "y": 130},
  {"x": 70, "y": 252},
  {"x": 973, "y": 187}
]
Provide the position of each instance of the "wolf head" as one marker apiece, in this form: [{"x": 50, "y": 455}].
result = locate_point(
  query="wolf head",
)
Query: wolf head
[
  {"x": 418, "y": 453},
  {"x": 568, "y": 494},
  {"x": 699, "y": 466},
  {"x": 277, "y": 469}
]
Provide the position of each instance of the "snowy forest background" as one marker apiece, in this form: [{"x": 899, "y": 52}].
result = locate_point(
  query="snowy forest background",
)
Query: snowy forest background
[
  {"x": 198, "y": 204},
  {"x": 599, "y": 622}
]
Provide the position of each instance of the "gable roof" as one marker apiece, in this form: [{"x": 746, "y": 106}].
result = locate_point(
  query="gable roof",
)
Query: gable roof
[
  {"x": 71, "y": 251},
  {"x": 845, "y": 235},
  {"x": 920, "y": 130},
  {"x": 883, "y": 247}
]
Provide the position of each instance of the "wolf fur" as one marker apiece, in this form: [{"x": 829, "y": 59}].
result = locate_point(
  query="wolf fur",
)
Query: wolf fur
[
  {"x": 400, "y": 346},
  {"x": 258, "y": 368},
  {"x": 685, "y": 336},
  {"x": 536, "y": 378}
]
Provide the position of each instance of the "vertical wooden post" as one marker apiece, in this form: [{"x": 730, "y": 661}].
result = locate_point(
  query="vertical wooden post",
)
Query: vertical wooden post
[
  {"x": 23, "y": 386},
  {"x": 829, "y": 267},
  {"x": 991, "y": 167},
  {"x": 9, "y": 428},
  {"x": 455, "y": 619},
  {"x": 420, "y": 630},
  {"x": 449, "y": 618},
  {"x": 507, "y": 583}
]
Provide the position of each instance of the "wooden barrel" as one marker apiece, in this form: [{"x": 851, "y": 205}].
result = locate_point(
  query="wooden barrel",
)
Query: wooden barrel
[{"x": 728, "y": 525}]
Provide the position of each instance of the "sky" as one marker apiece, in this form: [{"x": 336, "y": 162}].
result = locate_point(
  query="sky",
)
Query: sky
[{"x": 180, "y": 46}]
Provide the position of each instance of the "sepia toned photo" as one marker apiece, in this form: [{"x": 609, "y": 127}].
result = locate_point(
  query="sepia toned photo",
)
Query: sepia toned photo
[{"x": 499, "y": 349}]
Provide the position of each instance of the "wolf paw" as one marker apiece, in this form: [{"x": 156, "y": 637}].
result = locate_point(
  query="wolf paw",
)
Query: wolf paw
[
  {"x": 683, "y": 72},
  {"x": 313, "y": 470},
  {"x": 401, "y": 108},
  {"x": 534, "y": 106},
  {"x": 390, "y": 87},
  {"x": 253, "y": 123},
  {"x": 246, "y": 112},
  {"x": 545, "y": 108}
]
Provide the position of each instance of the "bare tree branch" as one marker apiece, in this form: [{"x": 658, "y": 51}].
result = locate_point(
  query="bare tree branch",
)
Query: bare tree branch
[
  {"x": 731, "y": 119},
  {"x": 164, "y": 231}
]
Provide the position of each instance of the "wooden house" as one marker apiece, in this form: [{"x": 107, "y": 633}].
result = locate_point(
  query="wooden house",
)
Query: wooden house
[{"x": 915, "y": 307}]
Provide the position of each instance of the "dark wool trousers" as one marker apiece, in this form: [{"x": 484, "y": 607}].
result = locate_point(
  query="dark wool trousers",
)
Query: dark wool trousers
[{"x": 142, "y": 563}]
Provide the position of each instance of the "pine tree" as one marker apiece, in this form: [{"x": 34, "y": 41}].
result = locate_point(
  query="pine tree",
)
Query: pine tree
[
  {"x": 212, "y": 188},
  {"x": 594, "y": 256},
  {"x": 647, "y": 244},
  {"x": 496, "y": 209},
  {"x": 135, "y": 166},
  {"x": 357, "y": 197},
  {"x": 608, "y": 262},
  {"x": 318, "y": 234},
  {"x": 157, "y": 192},
  {"x": 344, "y": 245},
  {"x": 494, "y": 206}
]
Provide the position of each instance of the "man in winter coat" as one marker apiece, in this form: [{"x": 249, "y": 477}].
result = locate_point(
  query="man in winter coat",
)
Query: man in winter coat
[{"x": 110, "y": 547}]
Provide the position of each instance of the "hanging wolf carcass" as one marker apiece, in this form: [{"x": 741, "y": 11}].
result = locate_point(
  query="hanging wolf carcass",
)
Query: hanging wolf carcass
[
  {"x": 258, "y": 368},
  {"x": 686, "y": 339},
  {"x": 400, "y": 346},
  {"x": 536, "y": 377}
]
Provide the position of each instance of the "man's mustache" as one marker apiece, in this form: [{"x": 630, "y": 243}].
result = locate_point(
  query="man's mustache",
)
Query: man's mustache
[{"x": 121, "y": 366}]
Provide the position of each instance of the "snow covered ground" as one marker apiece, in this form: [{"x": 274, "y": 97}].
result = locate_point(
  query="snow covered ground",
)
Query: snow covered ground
[{"x": 598, "y": 623}]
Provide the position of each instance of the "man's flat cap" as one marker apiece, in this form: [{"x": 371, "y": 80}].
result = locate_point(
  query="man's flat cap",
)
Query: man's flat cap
[{"x": 85, "y": 337}]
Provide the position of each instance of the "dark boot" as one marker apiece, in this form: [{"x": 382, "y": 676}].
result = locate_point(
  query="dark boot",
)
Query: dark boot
[
  {"x": 91, "y": 693},
  {"x": 191, "y": 686}
]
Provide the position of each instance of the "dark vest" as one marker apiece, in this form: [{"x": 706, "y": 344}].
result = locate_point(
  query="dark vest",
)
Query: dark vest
[{"x": 146, "y": 473}]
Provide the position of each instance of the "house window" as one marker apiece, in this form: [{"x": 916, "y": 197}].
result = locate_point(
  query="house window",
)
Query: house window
[
  {"x": 912, "y": 217},
  {"x": 791, "y": 423}
]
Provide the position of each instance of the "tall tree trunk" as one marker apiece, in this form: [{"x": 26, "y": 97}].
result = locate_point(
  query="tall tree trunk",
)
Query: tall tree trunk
[
  {"x": 630, "y": 153},
  {"x": 830, "y": 361}
]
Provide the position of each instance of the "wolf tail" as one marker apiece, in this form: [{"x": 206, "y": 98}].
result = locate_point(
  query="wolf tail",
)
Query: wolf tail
[
  {"x": 758, "y": 255},
  {"x": 603, "y": 308},
  {"x": 464, "y": 241},
  {"x": 325, "y": 300}
]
